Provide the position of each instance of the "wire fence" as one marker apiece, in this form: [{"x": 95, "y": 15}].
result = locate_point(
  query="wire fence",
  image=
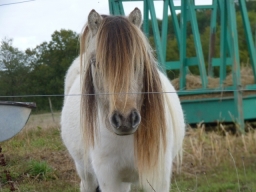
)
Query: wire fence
[
  {"x": 5, "y": 4},
  {"x": 132, "y": 93}
]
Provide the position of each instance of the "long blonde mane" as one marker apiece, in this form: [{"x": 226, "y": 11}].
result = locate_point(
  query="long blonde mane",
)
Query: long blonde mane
[{"x": 121, "y": 51}]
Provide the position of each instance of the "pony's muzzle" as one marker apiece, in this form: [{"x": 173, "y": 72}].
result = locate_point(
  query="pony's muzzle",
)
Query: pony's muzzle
[{"x": 125, "y": 125}]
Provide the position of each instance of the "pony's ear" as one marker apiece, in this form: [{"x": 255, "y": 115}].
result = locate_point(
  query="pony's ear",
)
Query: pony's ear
[
  {"x": 94, "y": 21},
  {"x": 135, "y": 17}
]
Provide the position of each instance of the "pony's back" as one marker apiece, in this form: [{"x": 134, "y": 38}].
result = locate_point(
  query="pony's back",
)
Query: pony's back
[{"x": 71, "y": 75}]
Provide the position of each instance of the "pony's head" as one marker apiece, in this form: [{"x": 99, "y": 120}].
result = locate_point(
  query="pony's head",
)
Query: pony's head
[
  {"x": 115, "y": 54},
  {"x": 117, "y": 66}
]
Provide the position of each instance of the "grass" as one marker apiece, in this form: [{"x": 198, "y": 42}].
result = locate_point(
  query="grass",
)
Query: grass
[
  {"x": 37, "y": 159},
  {"x": 217, "y": 161},
  {"x": 39, "y": 169}
]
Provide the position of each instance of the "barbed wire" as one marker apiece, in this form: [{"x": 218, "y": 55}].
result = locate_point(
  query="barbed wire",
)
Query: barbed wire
[
  {"x": 192, "y": 92},
  {"x": 15, "y": 3}
]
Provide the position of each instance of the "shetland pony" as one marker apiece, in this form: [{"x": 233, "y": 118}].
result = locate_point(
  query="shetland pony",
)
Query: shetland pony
[{"x": 127, "y": 124}]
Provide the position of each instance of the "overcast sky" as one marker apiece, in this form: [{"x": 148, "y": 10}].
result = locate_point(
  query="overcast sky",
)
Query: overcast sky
[{"x": 31, "y": 23}]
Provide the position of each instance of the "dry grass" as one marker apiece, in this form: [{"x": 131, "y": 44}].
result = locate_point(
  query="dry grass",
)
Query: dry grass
[
  {"x": 43, "y": 120},
  {"x": 211, "y": 149},
  {"x": 218, "y": 158},
  {"x": 194, "y": 81},
  {"x": 213, "y": 160}
]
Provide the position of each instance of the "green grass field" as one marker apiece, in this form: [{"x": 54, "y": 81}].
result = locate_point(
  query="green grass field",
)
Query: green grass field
[{"x": 36, "y": 160}]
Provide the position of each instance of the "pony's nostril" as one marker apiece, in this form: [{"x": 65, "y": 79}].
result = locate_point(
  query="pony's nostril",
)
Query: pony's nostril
[
  {"x": 135, "y": 119},
  {"x": 116, "y": 120},
  {"x": 124, "y": 125}
]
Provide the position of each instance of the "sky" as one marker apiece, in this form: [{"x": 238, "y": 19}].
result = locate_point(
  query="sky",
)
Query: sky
[{"x": 30, "y": 23}]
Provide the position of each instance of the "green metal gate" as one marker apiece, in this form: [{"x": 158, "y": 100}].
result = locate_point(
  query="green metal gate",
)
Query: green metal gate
[{"x": 236, "y": 108}]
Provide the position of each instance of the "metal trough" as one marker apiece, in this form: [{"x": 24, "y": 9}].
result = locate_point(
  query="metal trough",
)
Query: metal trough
[{"x": 13, "y": 117}]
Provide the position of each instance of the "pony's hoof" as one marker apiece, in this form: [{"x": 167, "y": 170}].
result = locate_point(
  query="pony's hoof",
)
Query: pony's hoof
[{"x": 98, "y": 189}]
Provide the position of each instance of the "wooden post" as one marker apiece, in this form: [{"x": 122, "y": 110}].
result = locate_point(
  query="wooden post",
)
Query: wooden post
[{"x": 50, "y": 103}]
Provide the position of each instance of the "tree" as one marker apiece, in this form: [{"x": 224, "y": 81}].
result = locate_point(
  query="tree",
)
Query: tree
[
  {"x": 38, "y": 71},
  {"x": 14, "y": 69},
  {"x": 52, "y": 61}
]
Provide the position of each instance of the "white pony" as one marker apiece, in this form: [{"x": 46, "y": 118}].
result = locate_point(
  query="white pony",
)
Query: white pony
[{"x": 127, "y": 124}]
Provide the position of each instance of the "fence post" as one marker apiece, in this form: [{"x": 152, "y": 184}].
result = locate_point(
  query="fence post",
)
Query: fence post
[{"x": 50, "y": 103}]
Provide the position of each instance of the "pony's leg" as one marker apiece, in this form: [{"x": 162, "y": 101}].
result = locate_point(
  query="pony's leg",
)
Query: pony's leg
[
  {"x": 109, "y": 182},
  {"x": 158, "y": 182},
  {"x": 110, "y": 186},
  {"x": 98, "y": 189},
  {"x": 88, "y": 185},
  {"x": 149, "y": 188},
  {"x": 88, "y": 180}
]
